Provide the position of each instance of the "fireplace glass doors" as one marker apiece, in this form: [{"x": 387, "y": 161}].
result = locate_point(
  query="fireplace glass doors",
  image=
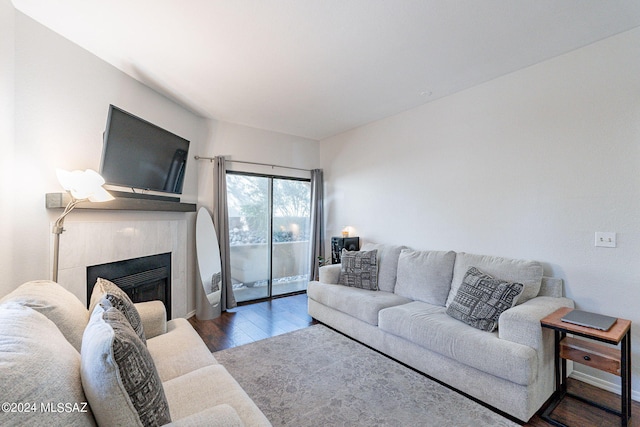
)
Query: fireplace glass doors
[{"x": 143, "y": 279}]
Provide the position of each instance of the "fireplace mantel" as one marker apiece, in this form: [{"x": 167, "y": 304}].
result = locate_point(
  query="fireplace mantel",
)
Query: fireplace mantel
[{"x": 60, "y": 200}]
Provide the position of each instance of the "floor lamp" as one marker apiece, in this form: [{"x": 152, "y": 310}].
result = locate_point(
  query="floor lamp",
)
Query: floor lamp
[{"x": 82, "y": 186}]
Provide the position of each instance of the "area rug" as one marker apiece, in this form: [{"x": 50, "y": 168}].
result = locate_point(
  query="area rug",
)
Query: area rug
[{"x": 318, "y": 377}]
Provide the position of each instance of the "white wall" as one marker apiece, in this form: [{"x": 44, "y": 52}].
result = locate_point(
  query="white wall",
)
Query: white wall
[
  {"x": 237, "y": 142},
  {"x": 7, "y": 101},
  {"x": 529, "y": 165},
  {"x": 62, "y": 94}
]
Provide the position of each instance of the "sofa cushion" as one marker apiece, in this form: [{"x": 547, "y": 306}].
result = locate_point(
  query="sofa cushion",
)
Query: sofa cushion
[
  {"x": 481, "y": 299},
  {"x": 119, "y": 378},
  {"x": 387, "y": 264},
  {"x": 118, "y": 300},
  {"x": 208, "y": 387},
  {"x": 429, "y": 326},
  {"x": 168, "y": 350},
  {"x": 359, "y": 303},
  {"x": 58, "y": 304},
  {"x": 39, "y": 366},
  {"x": 214, "y": 416},
  {"x": 529, "y": 273},
  {"x": 359, "y": 269},
  {"x": 425, "y": 275}
]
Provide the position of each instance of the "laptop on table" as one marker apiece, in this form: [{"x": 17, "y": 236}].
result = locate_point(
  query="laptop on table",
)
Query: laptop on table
[{"x": 590, "y": 320}]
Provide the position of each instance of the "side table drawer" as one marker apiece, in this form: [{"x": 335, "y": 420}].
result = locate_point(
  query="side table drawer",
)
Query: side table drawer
[{"x": 591, "y": 354}]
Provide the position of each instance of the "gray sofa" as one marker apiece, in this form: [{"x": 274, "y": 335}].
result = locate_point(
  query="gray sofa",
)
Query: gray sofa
[
  {"x": 510, "y": 369},
  {"x": 44, "y": 376}
]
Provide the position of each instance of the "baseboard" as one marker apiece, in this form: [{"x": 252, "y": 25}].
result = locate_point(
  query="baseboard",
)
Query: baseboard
[
  {"x": 190, "y": 314},
  {"x": 605, "y": 385}
]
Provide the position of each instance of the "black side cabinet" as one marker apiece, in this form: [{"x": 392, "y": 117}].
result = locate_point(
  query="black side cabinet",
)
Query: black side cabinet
[{"x": 339, "y": 243}]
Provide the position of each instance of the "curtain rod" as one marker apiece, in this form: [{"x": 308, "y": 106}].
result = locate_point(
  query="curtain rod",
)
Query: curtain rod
[{"x": 252, "y": 163}]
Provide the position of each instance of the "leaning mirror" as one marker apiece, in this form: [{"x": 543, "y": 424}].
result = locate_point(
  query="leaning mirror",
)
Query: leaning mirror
[{"x": 209, "y": 267}]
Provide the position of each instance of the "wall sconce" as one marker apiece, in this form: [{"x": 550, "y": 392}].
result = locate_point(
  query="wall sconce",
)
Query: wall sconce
[
  {"x": 345, "y": 231},
  {"x": 82, "y": 186}
]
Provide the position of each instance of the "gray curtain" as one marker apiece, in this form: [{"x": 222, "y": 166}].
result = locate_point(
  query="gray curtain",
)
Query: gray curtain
[
  {"x": 221, "y": 224},
  {"x": 317, "y": 221}
]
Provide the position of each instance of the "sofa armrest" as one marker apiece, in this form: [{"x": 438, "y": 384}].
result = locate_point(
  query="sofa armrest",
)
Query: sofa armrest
[
  {"x": 330, "y": 273},
  {"x": 154, "y": 318},
  {"x": 220, "y": 415},
  {"x": 521, "y": 324}
]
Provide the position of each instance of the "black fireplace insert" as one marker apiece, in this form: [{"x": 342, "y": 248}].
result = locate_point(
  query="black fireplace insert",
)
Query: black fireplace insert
[{"x": 143, "y": 279}]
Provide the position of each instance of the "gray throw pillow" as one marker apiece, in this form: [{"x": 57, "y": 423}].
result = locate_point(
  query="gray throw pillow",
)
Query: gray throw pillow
[
  {"x": 119, "y": 300},
  {"x": 119, "y": 377},
  {"x": 481, "y": 299},
  {"x": 359, "y": 269}
]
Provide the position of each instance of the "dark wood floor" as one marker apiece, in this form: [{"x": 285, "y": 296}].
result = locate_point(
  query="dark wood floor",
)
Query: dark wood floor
[{"x": 253, "y": 322}]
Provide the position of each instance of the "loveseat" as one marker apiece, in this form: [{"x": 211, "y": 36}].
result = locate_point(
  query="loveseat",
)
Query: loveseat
[
  {"x": 62, "y": 365},
  {"x": 412, "y": 315}
]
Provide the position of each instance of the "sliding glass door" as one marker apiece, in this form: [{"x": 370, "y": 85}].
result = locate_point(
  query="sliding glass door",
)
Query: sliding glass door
[
  {"x": 249, "y": 231},
  {"x": 290, "y": 215},
  {"x": 269, "y": 230}
]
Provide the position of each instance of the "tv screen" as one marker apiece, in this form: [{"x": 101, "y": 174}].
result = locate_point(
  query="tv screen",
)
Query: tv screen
[{"x": 140, "y": 155}]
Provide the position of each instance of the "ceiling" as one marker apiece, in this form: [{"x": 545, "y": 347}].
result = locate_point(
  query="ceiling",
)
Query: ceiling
[{"x": 316, "y": 68}]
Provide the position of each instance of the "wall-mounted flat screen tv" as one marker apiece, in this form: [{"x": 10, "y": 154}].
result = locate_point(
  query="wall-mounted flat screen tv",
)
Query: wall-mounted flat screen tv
[{"x": 140, "y": 155}]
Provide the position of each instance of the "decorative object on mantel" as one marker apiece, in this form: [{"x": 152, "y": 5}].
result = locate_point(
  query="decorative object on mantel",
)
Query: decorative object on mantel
[{"x": 82, "y": 186}]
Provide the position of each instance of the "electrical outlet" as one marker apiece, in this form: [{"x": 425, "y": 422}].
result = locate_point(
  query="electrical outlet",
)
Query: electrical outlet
[{"x": 605, "y": 239}]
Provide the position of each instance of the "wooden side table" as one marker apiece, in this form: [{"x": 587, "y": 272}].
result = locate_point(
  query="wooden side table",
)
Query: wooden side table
[{"x": 596, "y": 355}]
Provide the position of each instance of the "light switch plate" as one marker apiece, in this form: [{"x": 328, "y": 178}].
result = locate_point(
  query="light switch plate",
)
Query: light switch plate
[{"x": 605, "y": 239}]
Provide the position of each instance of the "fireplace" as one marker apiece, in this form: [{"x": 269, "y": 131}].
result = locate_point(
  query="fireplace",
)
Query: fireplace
[{"x": 143, "y": 279}]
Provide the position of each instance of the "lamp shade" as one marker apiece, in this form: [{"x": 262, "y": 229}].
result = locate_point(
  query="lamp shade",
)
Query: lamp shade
[{"x": 84, "y": 185}]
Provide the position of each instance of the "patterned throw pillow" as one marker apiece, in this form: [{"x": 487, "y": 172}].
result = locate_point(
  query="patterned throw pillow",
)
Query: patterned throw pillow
[
  {"x": 119, "y": 300},
  {"x": 359, "y": 269},
  {"x": 119, "y": 378},
  {"x": 481, "y": 299}
]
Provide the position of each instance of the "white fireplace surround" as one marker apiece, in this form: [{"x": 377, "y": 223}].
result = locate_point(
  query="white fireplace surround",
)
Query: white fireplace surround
[{"x": 90, "y": 243}]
